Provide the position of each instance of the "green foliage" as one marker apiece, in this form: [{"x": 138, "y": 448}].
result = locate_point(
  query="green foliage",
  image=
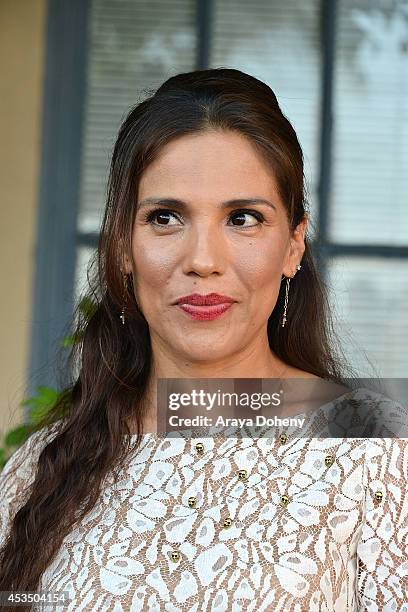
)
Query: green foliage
[
  {"x": 46, "y": 398},
  {"x": 41, "y": 403}
]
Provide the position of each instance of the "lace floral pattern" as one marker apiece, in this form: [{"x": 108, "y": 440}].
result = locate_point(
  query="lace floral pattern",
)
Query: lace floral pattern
[{"x": 316, "y": 524}]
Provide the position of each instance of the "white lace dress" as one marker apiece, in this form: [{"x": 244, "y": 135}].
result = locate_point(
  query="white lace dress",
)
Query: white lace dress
[{"x": 237, "y": 524}]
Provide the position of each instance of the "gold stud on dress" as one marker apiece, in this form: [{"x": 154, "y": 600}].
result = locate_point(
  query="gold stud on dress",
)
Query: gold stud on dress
[
  {"x": 242, "y": 475},
  {"x": 192, "y": 502},
  {"x": 175, "y": 555},
  {"x": 284, "y": 500},
  {"x": 378, "y": 495},
  {"x": 199, "y": 447},
  {"x": 329, "y": 460},
  {"x": 283, "y": 438},
  {"x": 227, "y": 522}
]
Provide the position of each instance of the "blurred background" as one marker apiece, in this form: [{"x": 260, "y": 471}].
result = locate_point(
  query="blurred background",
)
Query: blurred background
[{"x": 71, "y": 69}]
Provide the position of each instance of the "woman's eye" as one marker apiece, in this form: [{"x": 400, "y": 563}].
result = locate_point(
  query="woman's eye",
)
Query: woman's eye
[
  {"x": 242, "y": 214},
  {"x": 159, "y": 214},
  {"x": 165, "y": 215}
]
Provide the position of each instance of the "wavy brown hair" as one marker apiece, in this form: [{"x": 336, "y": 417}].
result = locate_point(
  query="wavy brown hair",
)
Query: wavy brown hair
[{"x": 113, "y": 361}]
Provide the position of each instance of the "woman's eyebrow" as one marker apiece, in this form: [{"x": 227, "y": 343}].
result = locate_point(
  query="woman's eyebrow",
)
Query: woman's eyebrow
[{"x": 181, "y": 205}]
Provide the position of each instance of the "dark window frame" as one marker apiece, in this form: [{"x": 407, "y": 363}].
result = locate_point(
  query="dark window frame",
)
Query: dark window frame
[{"x": 64, "y": 91}]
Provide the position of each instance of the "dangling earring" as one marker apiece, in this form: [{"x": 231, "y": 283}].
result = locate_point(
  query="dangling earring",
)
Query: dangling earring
[
  {"x": 122, "y": 316},
  {"x": 284, "y": 319}
]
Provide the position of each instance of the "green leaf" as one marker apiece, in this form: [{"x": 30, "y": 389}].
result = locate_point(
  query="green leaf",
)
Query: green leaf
[
  {"x": 41, "y": 403},
  {"x": 38, "y": 413},
  {"x": 17, "y": 436},
  {"x": 70, "y": 340},
  {"x": 87, "y": 306},
  {"x": 46, "y": 397},
  {"x": 67, "y": 341}
]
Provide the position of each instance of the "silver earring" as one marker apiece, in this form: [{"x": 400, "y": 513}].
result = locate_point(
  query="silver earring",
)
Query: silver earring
[
  {"x": 284, "y": 318},
  {"x": 122, "y": 316}
]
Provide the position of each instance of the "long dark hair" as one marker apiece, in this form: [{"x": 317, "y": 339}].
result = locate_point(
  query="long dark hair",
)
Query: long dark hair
[{"x": 113, "y": 361}]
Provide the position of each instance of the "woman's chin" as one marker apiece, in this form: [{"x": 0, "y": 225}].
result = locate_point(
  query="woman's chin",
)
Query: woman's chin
[{"x": 203, "y": 354}]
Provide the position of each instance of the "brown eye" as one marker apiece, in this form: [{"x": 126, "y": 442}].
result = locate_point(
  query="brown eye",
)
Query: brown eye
[
  {"x": 241, "y": 215},
  {"x": 163, "y": 216},
  {"x": 159, "y": 214}
]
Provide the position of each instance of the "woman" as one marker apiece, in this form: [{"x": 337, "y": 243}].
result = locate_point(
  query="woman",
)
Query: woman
[{"x": 206, "y": 196}]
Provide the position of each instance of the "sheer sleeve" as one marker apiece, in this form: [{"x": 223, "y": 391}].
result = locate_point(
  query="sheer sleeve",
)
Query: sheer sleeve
[
  {"x": 382, "y": 550},
  {"x": 16, "y": 477}
]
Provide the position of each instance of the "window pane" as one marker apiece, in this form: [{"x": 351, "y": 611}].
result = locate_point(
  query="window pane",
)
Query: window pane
[
  {"x": 81, "y": 286},
  {"x": 370, "y": 297},
  {"x": 370, "y": 163},
  {"x": 277, "y": 42},
  {"x": 134, "y": 45}
]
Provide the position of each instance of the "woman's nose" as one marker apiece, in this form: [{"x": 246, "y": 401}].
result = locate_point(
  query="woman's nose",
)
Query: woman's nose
[{"x": 205, "y": 250}]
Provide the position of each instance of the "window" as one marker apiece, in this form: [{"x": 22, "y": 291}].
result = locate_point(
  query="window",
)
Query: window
[
  {"x": 339, "y": 70},
  {"x": 133, "y": 46},
  {"x": 368, "y": 220}
]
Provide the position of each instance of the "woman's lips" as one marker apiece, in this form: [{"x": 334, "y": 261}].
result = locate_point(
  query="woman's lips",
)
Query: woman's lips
[{"x": 205, "y": 313}]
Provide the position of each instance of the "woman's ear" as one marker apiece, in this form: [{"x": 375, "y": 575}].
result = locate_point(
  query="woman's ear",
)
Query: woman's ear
[{"x": 296, "y": 248}]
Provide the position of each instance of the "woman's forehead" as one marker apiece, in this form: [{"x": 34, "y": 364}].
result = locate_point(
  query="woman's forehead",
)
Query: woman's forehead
[{"x": 219, "y": 166}]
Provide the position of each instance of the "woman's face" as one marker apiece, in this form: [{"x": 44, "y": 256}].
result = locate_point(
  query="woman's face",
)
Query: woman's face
[{"x": 204, "y": 246}]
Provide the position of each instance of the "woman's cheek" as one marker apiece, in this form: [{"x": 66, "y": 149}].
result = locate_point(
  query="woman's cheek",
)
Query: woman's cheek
[{"x": 153, "y": 263}]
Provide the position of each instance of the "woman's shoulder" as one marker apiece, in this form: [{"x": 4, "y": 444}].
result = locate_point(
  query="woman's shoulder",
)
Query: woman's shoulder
[
  {"x": 387, "y": 444},
  {"x": 19, "y": 472},
  {"x": 27, "y": 453},
  {"x": 19, "y": 465},
  {"x": 341, "y": 410},
  {"x": 380, "y": 415}
]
